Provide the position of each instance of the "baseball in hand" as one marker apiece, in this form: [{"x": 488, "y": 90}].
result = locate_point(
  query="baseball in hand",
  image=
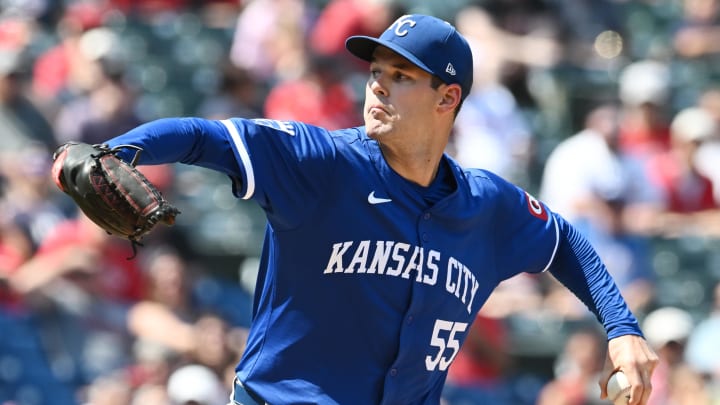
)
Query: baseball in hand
[{"x": 618, "y": 388}]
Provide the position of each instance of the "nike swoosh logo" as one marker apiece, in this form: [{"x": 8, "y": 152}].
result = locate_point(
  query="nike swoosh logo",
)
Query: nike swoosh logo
[{"x": 377, "y": 200}]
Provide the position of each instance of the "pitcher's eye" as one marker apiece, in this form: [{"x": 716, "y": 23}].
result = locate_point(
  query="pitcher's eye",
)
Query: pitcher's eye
[{"x": 400, "y": 76}]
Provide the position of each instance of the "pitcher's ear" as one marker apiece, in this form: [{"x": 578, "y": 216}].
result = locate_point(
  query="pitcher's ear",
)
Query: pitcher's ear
[{"x": 451, "y": 97}]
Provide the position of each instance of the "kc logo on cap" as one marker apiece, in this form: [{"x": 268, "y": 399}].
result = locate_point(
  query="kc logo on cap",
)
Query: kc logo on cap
[
  {"x": 430, "y": 43},
  {"x": 400, "y": 23}
]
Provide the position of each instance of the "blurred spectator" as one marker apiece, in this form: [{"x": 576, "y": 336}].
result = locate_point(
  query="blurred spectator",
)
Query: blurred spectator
[
  {"x": 675, "y": 172},
  {"x": 152, "y": 363},
  {"x": 269, "y": 38},
  {"x": 490, "y": 130},
  {"x": 21, "y": 120},
  {"x": 29, "y": 199},
  {"x": 577, "y": 369},
  {"x": 698, "y": 31},
  {"x": 81, "y": 284},
  {"x": 689, "y": 195},
  {"x": 165, "y": 315},
  {"x": 81, "y": 250},
  {"x": 340, "y": 19},
  {"x": 169, "y": 283},
  {"x": 194, "y": 384},
  {"x": 587, "y": 168},
  {"x": 477, "y": 375},
  {"x": 239, "y": 95},
  {"x": 702, "y": 352},
  {"x": 503, "y": 45},
  {"x": 171, "y": 321},
  {"x": 605, "y": 193},
  {"x": 708, "y": 153},
  {"x": 326, "y": 100},
  {"x": 520, "y": 47},
  {"x": 103, "y": 104},
  {"x": 644, "y": 90},
  {"x": 688, "y": 387},
  {"x": 215, "y": 347},
  {"x": 166, "y": 340},
  {"x": 30, "y": 208},
  {"x": 666, "y": 330},
  {"x": 15, "y": 249},
  {"x": 61, "y": 68}
]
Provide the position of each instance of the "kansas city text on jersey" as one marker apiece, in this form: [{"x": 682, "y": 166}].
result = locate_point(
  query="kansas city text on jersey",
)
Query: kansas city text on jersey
[{"x": 399, "y": 259}]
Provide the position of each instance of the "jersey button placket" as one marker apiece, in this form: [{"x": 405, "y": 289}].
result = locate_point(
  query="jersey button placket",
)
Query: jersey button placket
[
  {"x": 424, "y": 236},
  {"x": 393, "y": 372}
]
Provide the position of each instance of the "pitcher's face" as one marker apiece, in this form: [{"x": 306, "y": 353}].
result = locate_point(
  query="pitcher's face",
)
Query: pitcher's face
[{"x": 399, "y": 97}]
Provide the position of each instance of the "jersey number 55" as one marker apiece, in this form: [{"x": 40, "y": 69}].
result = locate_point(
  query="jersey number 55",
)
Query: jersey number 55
[{"x": 440, "y": 360}]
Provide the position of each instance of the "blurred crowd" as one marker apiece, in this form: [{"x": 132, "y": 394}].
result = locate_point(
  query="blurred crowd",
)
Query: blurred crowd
[{"x": 607, "y": 110}]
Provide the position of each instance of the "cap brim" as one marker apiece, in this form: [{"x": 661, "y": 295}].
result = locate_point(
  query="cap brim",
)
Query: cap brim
[{"x": 364, "y": 46}]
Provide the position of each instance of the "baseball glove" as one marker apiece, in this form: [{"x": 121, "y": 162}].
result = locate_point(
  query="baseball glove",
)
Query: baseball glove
[{"x": 111, "y": 192}]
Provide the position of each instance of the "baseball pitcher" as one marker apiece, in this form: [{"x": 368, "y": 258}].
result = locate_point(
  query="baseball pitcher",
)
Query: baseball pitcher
[{"x": 379, "y": 248}]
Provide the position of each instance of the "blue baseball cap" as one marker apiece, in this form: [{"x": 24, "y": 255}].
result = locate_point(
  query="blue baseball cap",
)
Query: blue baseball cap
[{"x": 430, "y": 43}]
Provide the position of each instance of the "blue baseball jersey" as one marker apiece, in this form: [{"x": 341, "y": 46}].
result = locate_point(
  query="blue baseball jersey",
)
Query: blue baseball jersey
[{"x": 366, "y": 289}]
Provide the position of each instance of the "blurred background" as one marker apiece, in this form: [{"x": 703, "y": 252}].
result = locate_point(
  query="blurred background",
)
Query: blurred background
[{"x": 607, "y": 110}]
